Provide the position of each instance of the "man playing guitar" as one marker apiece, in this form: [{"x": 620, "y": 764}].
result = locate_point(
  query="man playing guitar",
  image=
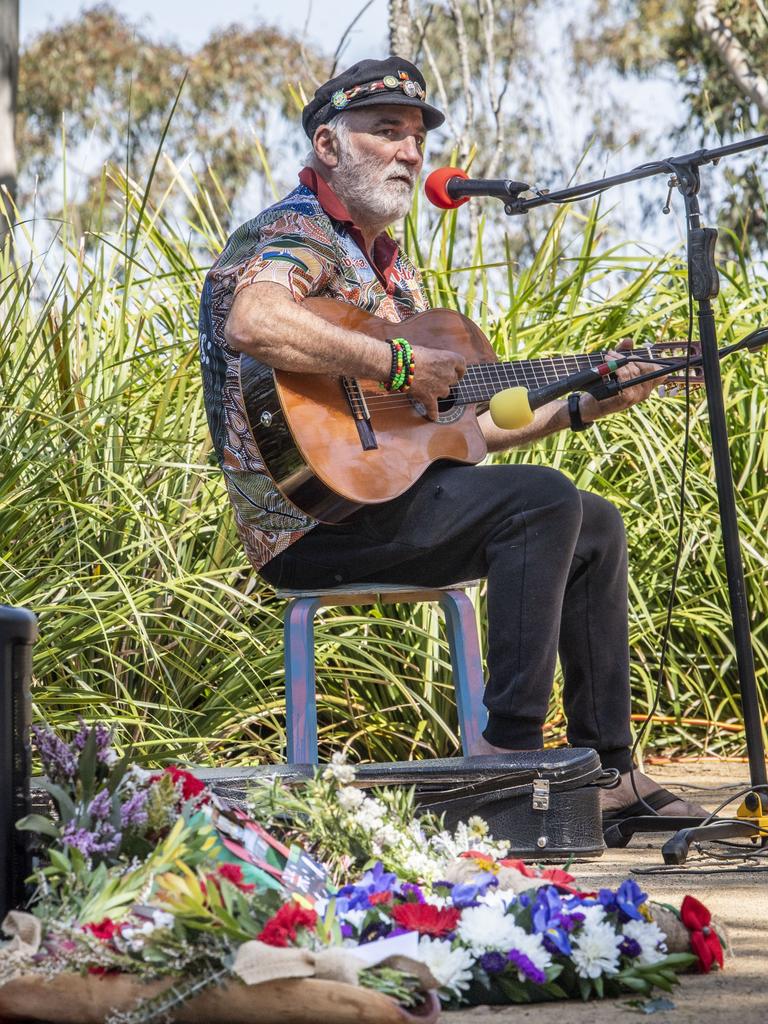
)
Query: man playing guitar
[{"x": 554, "y": 557}]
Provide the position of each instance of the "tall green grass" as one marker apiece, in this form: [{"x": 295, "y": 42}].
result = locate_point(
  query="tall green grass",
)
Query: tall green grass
[{"x": 115, "y": 528}]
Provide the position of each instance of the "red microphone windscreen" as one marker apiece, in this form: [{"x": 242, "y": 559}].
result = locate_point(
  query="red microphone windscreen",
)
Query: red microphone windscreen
[{"x": 435, "y": 187}]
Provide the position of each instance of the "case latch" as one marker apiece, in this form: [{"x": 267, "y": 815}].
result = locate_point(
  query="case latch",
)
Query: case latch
[{"x": 541, "y": 794}]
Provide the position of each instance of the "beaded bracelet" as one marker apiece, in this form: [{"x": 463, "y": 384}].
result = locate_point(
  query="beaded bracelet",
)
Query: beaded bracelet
[{"x": 402, "y": 367}]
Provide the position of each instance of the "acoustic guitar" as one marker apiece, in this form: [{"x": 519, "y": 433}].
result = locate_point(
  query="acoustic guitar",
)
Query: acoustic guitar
[{"x": 333, "y": 444}]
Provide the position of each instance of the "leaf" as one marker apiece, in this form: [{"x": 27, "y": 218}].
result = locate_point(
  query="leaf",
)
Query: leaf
[
  {"x": 37, "y": 823},
  {"x": 63, "y": 800}
]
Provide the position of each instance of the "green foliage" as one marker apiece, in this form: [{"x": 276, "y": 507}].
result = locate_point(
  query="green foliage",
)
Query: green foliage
[
  {"x": 102, "y": 78},
  {"x": 116, "y": 529}
]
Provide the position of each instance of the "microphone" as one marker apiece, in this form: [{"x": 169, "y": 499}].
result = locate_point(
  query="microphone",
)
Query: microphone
[
  {"x": 514, "y": 407},
  {"x": 450, "y": 187}
]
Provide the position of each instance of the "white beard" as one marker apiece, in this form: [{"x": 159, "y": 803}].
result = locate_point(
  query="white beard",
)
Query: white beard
[{"x": 368, "y": 191}]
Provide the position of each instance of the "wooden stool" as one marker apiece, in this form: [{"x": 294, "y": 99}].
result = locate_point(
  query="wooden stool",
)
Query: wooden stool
[{"x": 300, "y": 693}]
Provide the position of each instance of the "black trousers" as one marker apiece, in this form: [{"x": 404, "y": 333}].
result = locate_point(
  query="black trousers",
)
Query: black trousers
[{"x": 556, "y": 563}]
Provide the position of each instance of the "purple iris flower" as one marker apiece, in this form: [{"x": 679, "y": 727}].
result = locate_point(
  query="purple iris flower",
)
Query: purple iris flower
[
  {"x": 357, "y": 896},
  {"x": 550, "y": 920},
  {"x": 629, "y": 896},
  {"x": 527, "y": 966},
  {"x": 466, "y": 894}
]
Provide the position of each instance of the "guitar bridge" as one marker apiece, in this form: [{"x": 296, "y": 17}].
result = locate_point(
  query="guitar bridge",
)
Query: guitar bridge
[{"x": 359, "y": 409}]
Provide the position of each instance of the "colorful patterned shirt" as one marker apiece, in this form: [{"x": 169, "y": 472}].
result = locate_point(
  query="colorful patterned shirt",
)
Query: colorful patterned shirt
[{"x": 308, "y": 243}]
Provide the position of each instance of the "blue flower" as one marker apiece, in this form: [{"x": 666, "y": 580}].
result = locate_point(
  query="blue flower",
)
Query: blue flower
[
  {"x": 358, "y": 896},
  {"x": 466, "y": 894},
  {"x": 629, "y": 897},
  {"x": 549, "y": 919}
]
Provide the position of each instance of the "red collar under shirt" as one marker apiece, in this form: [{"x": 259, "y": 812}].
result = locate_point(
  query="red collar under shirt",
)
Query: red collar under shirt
[{"x": 384, "y": 248}]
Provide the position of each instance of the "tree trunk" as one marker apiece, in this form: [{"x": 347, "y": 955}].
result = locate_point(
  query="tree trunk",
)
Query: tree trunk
[
  {"x": 9, "y": 76},
  {"x": 741, "y": 66},
  {"x": 400, "y": 29}
]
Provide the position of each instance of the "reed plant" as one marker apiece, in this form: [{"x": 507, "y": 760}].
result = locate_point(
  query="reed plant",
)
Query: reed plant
[{"x": 115, "y": 528}]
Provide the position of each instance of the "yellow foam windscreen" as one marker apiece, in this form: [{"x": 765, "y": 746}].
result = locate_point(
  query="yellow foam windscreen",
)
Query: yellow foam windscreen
[{"x": 510, "y": 409}]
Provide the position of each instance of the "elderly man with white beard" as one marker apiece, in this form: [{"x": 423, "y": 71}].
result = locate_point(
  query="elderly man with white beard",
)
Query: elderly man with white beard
[{"x": 554, "y": 556}]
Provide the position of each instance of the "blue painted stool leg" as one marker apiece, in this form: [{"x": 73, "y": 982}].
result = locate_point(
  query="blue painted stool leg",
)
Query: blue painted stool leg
[
  {"x": 300, "y": 695},
  {"x": 467, "y": 664}
]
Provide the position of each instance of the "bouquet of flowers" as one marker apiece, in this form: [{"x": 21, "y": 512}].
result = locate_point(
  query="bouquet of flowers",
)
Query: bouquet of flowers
[{"x": 149, "y": 875}]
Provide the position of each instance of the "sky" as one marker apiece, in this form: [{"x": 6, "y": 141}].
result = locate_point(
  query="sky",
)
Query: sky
[{"x": 189, "y": 22}]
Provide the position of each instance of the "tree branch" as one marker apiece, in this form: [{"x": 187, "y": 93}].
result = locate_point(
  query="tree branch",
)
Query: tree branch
[{"x": 732, "y": 53}]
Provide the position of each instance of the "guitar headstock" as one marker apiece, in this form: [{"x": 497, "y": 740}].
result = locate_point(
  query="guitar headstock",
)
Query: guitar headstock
[{"x": 678, "y": 351}]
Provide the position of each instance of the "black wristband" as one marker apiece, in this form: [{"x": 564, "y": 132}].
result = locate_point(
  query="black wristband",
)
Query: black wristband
[{"x": 574, "y": 413}]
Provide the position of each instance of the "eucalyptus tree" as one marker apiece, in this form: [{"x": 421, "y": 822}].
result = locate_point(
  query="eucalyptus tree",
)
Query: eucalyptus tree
[{"x": 9, "y": 66}]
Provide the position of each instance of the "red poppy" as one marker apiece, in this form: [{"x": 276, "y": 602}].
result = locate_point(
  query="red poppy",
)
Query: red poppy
[
  {"x": 191, "y": 786},
  {"x": 704, "y": 941},
  {"x": 104, "y": 930},
  {"x": 426, "y": 919},
  {"x": 234, "y": 874},
  {"x": 282, "y": 927}
]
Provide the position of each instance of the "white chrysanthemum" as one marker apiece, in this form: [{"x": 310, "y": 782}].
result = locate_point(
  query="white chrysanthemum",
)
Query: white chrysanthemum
[
  {"x": 487, "y": 927},
  {"x": 451, "y": 968},
  {"x": 350, "y": 798},
  {"x": 652, "y": 940},
  {"x": 596, "y": 950},
  {"x": 592, "y": 915},
  {"x": 531, "y": 946},
  {"x": 496, "y": 897}
]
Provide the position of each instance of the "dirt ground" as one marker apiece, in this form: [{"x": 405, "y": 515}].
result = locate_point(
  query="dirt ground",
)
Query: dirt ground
[{"x": 739, "y": 899}]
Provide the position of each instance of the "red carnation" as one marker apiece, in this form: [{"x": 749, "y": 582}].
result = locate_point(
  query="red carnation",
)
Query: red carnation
[
  {"x": 426, "y": 919},
  {"x": 104, "y": 930},
  {"x": 283, "y": 926},
  {"x": 191, "y": 787},
  {"x": 704, "y": 941},
  {"x": 234, "y": 873}
]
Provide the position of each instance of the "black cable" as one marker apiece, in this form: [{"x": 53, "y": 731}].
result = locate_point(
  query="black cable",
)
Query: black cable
[{"x": 675, "y": 568}]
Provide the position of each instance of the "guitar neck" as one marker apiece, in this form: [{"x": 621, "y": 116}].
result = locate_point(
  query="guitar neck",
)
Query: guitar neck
[{"x": 483, "y": 380}]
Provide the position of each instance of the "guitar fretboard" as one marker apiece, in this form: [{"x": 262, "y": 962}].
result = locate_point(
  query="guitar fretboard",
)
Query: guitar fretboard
[{"x": 483, "y": 380}]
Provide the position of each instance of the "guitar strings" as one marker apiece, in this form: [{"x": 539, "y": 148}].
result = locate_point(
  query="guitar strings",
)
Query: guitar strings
[{"x": 482, "y": 380}]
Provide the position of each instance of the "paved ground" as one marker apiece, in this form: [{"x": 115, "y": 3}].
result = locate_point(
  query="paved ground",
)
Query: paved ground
[{"x": 739, "y": 899}]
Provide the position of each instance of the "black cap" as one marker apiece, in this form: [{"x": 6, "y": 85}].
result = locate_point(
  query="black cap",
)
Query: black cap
[{"x": 371, "y": 83}]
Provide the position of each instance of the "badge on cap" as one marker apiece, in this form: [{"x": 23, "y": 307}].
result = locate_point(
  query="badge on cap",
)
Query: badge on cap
[
  {"x": 339, "y": 99},
  {"x": 409, "y": 88},
  {"x": 390, "y": 81}
]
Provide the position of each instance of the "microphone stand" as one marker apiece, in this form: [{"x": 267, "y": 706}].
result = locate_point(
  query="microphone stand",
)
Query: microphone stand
[{"x": 703, "y": 284}]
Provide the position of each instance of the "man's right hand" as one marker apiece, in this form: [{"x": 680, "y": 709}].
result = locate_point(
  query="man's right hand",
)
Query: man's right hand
[{"x": 436, "y": 371}]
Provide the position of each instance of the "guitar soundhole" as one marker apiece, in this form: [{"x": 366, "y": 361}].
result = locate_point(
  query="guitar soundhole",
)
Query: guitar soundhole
[{"x": 449, "y": 411}]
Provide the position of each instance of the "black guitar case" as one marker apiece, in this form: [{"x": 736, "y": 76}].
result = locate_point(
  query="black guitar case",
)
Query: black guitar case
[{"x": 545, "y": 803}]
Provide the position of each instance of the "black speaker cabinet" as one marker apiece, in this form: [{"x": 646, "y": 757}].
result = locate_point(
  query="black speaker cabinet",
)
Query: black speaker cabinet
[{"x": 18, "y": 631}]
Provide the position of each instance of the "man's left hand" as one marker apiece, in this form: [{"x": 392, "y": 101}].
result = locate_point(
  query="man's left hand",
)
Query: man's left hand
[{"x": 591, "y": 409}]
